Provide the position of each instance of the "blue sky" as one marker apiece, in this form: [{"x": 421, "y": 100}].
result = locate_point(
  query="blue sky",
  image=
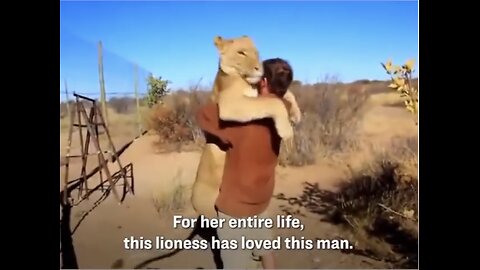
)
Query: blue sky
[{"x": 175, "y": 39}]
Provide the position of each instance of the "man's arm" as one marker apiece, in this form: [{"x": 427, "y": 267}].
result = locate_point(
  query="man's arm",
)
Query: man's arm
[{"x": 209, "y": 122}]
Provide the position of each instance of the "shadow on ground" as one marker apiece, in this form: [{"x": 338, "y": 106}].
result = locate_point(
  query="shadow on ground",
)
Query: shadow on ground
[
  {"x": 67, "y": 249},
  {"x": 204, "y": 233}
]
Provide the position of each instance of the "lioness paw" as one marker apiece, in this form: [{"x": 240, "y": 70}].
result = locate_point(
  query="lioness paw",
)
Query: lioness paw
[
  {"x": 289, "y": 144},
  {"x": 295, "y": 114},
  {"x": 250, "y": 92},
  {"x": 284, "y": 129}
]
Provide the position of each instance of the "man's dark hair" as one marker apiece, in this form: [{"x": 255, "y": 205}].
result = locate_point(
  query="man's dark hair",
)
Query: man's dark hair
[{"x": 279, "y": 75}]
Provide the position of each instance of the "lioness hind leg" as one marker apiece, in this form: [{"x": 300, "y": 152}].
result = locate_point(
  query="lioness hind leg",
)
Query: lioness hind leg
[
  {"x": 203, "y": 200},
  {"x": 208, "y": 180}
]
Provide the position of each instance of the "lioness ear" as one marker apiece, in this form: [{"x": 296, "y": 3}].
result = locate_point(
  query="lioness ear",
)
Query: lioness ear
[
  {"x": 218, "y": 41},
  {"x": 221, "y": 43}
]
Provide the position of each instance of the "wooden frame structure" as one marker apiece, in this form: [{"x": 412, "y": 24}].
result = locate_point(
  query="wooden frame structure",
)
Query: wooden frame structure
[{"x": 92, "y": 122}]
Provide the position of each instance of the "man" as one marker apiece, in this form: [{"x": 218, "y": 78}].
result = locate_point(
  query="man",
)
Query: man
[{"x": 249, "y": 174}]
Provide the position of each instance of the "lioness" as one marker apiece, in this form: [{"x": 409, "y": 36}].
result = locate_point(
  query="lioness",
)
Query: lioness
[{"x": 239, "y": 69}]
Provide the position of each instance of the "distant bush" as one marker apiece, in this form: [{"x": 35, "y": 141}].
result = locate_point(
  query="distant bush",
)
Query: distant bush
[
  {"x": 174, "y": 118},
  {"x": 122, "y": 105}
]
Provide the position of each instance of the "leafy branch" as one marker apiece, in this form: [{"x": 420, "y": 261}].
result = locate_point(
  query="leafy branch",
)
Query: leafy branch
[{"x": 401, "y": 81}]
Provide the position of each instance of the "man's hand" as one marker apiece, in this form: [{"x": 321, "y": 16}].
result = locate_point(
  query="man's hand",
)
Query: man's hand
[
  {"x": 220, "y": 141},
  {"x": 225, "y": 140}
]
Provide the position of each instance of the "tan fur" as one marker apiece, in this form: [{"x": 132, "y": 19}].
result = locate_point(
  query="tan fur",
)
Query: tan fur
[{"x": 239, "y": 68}]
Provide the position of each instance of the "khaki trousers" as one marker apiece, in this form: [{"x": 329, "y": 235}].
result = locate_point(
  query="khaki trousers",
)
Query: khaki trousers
[{"x": 240, "y": 258}]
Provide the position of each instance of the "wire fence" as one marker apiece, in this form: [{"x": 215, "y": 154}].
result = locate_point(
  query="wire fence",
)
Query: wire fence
[{"x": 89, "y": 69}]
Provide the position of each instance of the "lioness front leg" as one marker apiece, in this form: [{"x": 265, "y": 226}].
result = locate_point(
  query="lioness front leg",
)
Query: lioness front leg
[
  {"x": 244, "y": 109},
  {"x": 294, "y": 110}
]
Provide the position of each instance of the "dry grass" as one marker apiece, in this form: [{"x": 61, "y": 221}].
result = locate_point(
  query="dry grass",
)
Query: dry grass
[
  {"x": 330, "y": 125},
  {"x": 379, "y": 212},
  {"x": 402, "y": 151},
  {"x": 386, "y": 99},
  {"x": 332, "y": 113},
  {"x": 171, "y": 197},
  {"x": 122, "y": 127},
  {"x": 119, "y": 124},
  {"x": 375, "y": 208}
]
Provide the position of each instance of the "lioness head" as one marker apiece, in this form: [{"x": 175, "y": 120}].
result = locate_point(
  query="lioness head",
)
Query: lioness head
[{"x": 239, "y": 56}]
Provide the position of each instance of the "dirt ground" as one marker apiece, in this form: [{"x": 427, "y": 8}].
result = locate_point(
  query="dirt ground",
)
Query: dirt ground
[{"x": 98, "y": 242}]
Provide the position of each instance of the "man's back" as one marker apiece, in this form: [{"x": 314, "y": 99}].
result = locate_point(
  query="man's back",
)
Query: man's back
[{"x": 249, "y": 172}]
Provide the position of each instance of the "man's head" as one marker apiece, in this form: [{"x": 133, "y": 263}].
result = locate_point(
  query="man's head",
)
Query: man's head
[{"x": 277, "y": 77}]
